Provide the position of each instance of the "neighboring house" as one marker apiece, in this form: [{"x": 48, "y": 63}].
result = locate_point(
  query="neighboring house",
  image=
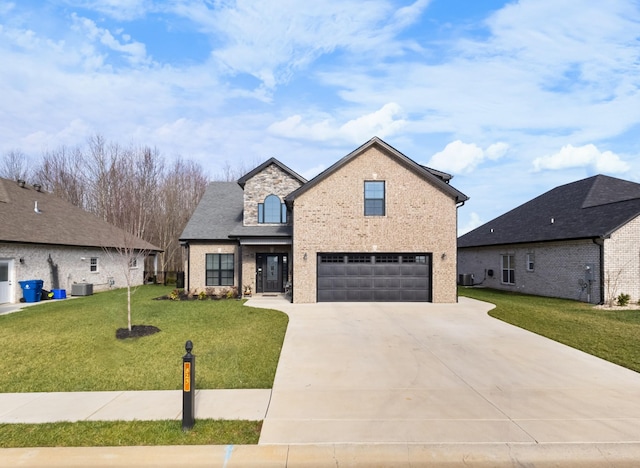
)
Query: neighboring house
[
  {"x": 375, "y": 226},
  {"x": 578, "y": 241},
  {"x": 42, "y": 237}
]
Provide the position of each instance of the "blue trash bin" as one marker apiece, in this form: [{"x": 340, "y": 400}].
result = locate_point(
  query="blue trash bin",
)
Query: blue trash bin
[{"x": 31, "y": 290}]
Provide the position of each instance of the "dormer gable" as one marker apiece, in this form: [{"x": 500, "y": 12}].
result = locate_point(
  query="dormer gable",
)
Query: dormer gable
[{"x": 264, "y": 190}]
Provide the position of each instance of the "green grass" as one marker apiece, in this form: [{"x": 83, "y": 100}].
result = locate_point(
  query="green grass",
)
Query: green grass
[
  {"x": 608, "y": 334},
  {"x": 130, "y": 433},
  {"x": 70, "y": 345}
]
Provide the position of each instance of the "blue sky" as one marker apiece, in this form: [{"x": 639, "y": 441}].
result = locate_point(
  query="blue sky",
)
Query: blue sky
[{"x": 511, "y": 97}]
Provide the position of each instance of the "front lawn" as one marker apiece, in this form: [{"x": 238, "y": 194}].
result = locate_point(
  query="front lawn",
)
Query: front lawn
[
  {"x": 608, "y": 334},
  {"x": 70, "y": 345}
]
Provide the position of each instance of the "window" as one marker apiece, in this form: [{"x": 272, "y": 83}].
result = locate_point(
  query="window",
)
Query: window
[
  {"x": 508, "y": 269},
  {"x": 272, "y": 211},
  {"x": 93, "y": 264},
  {"x": 530, "y": 262},
  {"x": 133, "y": 262},
  {"x": 374, "y": 198},
  {"x": 219, "y": 269},
  {"x": 414, "y": 259}
]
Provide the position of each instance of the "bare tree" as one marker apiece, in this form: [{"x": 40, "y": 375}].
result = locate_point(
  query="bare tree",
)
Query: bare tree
[
  {"x": 60, "y": 172},
  {"x": 15, "y": 165},
  {"x": 182, "y": 187}
]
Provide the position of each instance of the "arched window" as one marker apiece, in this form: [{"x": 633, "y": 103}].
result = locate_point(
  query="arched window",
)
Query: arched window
[{"x": 272, "y": 211}]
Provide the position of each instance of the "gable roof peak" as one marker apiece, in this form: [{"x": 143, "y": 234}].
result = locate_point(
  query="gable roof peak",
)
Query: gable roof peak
[
  {"x": 243, "y": 180},
  {"x": 439, "y": 179}
]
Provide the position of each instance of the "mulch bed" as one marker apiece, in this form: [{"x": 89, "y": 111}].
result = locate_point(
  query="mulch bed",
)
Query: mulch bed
[{"x": 137, "y": 331}]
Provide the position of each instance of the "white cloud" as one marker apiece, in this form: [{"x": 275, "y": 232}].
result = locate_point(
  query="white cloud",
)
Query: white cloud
[
  {"x": 582, "y": 156},
  {"x": 460, "y": 158},
  {"x": 273, "y": 41},
  {"x": 471, "y": 223},
  {"x": 136, "y": 51},
  {"x": 118, "y": 9},
  {"x": 382, "y": 123}
]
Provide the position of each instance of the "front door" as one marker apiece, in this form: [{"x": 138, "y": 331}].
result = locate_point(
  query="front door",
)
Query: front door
[
  {"x": 271, "y": 272},
  {"x": 5, "y": 284}
]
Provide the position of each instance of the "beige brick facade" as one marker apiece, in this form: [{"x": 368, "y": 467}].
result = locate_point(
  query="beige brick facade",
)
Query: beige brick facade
[
  {"x": 419, "y": 217},
  {"x": 196, "y": 268},
  {"x": 622, "y": 262},
  {"x": 327, "y": 216}
]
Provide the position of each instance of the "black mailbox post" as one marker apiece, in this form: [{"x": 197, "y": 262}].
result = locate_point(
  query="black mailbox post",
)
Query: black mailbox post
[{"x": 188, "y": 388}]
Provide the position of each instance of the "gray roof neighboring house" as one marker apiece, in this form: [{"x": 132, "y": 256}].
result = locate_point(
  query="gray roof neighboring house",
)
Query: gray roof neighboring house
[
  {"x": 438, "y": 178},
  {"x": 590, "y": 208},
  {"x": 31, "y": 216}
]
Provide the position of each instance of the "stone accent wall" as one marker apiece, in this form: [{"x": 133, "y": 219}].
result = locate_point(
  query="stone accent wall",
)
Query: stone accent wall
[
  {"x": 195, "y": 276},
  {"x": 622, "y": 262},
  {"x": 560, "y": 268},
  {"x": 272, "y": 180},
  {"x": 330, "y": 218},
  {"x": 71, "y": 268}
]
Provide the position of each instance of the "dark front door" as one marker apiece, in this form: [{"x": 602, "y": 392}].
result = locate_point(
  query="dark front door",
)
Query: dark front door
[{"x": 271, "y": 272}]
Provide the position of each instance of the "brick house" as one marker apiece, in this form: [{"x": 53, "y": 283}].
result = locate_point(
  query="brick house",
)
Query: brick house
[
  {"x": 45, "y": 238},
  {"x": 578, "y": 241},
  {"x": 375, "y": 226}
]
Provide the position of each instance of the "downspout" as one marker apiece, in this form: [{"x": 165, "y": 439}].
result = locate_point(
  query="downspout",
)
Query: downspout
[
  {"x": 240, "y": 292},
  {"x": 599, "y": 241},
  {"x": 458, "y": 205},
  {"x": 188, "y": 267}
]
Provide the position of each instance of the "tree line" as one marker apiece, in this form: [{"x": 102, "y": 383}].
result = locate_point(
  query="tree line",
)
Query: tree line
[{"x": 131, "y": 187}]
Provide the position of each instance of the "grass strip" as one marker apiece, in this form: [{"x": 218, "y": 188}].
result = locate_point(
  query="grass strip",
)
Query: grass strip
[
  {"x": 129, "y": 433},
  {"x": 611, "y": 334}
]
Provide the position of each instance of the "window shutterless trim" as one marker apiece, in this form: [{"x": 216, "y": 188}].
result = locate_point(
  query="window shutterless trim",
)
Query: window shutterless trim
[{"x": 374, "y": 198}]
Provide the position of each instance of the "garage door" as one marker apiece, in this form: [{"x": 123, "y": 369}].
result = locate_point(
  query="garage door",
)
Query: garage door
[{"x": 365, "y": 277}]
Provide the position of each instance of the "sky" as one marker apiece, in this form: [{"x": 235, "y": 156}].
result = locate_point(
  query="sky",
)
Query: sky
[{"x": 512, "y": 98}]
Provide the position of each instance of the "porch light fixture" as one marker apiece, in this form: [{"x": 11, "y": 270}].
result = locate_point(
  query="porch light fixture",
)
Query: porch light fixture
[{"x": 304, "y": 257}]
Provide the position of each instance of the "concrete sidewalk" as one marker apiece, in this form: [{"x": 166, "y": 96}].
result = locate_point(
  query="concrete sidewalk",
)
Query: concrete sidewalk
[{"x": 128, "y": 406}]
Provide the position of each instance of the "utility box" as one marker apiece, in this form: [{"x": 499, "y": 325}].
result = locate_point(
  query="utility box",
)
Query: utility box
[
  {"x": 82, "y": 289},
  {"x": 465, "y": 279}
]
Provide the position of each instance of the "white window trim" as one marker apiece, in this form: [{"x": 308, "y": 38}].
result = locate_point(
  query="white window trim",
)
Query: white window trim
[{"x": 531, "y": 262}]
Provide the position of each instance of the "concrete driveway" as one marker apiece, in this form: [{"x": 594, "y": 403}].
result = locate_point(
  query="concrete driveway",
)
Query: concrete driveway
[{"x": 434, "y": 373}]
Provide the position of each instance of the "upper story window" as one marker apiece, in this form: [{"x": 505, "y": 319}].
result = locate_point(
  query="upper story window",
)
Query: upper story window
[
  {"x": 374, "y": 198},
  {"x": 272, "y": 211}
]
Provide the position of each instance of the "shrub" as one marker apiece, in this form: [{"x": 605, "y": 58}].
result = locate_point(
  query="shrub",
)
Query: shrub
[
  {"x": 202, "y": 295},
  {"x": 174, "y": 295},
  {"x": 623, "y": 299}
]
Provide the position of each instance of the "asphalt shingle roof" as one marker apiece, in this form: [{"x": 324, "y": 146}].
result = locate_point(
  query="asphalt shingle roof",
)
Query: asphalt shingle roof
[
  {"x": 55, "y": 222},
  {"x": 218, "y": 213},
  {"x": 589, "y": 208}
]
